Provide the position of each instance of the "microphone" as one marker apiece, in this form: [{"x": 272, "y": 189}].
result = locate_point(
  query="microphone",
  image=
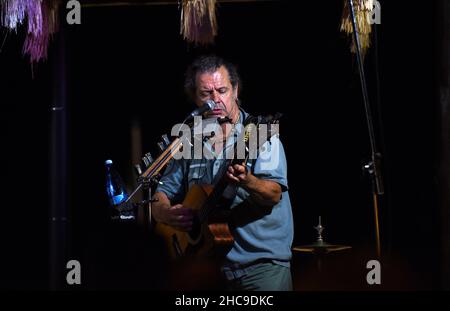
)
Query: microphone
[{"x": 207, "y": 106}]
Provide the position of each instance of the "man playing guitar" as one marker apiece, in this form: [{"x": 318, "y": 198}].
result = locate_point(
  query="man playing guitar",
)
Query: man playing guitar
[{"x": 260, "y": 218}]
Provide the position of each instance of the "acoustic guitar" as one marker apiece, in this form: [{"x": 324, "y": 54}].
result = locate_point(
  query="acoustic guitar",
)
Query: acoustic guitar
[{"x": 210, "y": 235}]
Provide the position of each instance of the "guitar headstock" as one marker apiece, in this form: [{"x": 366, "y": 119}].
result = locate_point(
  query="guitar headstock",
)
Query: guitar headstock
[
  {"x": 259, "y": 130},
  {"x": 255, "y": 124}
]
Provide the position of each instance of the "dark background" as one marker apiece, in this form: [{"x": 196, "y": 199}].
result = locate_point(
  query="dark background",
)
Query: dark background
[{"x": 126, "y": 64}]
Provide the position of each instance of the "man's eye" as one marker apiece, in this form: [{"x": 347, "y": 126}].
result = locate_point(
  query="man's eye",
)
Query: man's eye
[{"x": 222, "y": 91}]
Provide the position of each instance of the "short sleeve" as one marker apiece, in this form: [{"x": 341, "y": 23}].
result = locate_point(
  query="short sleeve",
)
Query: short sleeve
[
  {"x": 271, "y": 163},
  {"x": 171, "y": 183}
]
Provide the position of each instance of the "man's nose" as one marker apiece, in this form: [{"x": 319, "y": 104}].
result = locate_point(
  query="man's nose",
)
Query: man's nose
[{"x": 215, "y": 96}]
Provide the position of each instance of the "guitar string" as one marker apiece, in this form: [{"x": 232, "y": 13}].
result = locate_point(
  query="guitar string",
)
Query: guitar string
[
  {"x": 217, "y": 191},
  {"x": 214, "y": 195}
]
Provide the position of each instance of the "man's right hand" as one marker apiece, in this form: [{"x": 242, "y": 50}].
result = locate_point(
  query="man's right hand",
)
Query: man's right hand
[{"x": 177, "y": 216}]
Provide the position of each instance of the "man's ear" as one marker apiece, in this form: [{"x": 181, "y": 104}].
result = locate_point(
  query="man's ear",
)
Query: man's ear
[{"x": 235, "y": 92}]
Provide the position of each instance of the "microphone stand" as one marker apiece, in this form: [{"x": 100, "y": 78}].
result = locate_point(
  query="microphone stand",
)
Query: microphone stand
[
  {"x": 150, "y": 178},
  {"x": 373, "y": 166},
  {"x": 146, "y": 184},
  {"x": 151, "y": 175}
]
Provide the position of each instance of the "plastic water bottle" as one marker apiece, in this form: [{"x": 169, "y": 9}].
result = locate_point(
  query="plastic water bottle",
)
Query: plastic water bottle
[{"x": 117, "y": 194}]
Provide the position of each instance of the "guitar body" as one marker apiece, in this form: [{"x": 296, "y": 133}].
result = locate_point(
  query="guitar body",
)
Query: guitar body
[{"x": 211, "y": 239}]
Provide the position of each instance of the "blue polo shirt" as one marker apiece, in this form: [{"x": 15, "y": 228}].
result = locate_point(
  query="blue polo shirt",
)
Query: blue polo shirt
[{"x": 259, "y": 232}]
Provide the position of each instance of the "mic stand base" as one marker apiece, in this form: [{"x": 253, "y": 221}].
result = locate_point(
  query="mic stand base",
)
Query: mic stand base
[{"x": 377, "y": 191}]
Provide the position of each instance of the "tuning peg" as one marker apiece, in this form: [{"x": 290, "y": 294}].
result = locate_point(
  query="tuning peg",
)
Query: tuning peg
[
  {"x": 147, "y": 159},
  {"x": 161, "y": 146},
  {"x": 165, "y": 140}
]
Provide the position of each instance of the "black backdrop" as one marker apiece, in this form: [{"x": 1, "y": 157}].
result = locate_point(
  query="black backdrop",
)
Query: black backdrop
[{"x": 127, "y": 63}]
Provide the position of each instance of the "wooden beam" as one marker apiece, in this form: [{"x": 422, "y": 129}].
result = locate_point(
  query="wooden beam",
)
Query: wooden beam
[{"x": 110, "y": 3}]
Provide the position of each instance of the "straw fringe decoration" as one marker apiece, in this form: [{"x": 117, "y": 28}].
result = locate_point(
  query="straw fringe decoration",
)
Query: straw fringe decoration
[
  {"x": 12, "y": 13},
  {"x": 198, "y": 21},
  {"x": 363, "y": 10},
  {"x": 41, "y": 18},
  {"x": 41, "y": 27}
]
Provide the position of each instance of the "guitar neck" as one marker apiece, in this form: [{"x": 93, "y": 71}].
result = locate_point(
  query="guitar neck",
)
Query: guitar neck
[
  {"x": 163, "y": 159},
  {"x": 156, "y": 167},
  {"x": 217, "y": 192}
]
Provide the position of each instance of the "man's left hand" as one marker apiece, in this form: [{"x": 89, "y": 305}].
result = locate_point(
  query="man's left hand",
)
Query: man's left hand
[
  {"x": 264, "y": 192},
  {"x": 238, "y": 174}
]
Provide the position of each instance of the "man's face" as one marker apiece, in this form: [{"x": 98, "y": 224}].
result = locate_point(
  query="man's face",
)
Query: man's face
[{"x": 216, "y": 86}]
